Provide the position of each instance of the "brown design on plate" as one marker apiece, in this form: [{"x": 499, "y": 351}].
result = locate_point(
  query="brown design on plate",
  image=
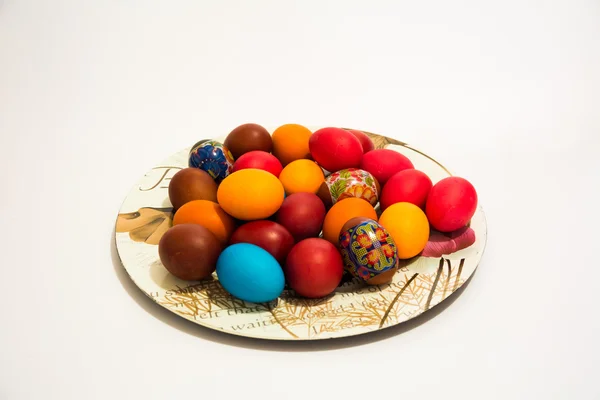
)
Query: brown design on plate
[{"x": 147, "y": 224}]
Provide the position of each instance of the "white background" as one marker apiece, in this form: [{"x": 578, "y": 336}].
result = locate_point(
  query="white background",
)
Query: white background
[{"x": 94, "y": 93}]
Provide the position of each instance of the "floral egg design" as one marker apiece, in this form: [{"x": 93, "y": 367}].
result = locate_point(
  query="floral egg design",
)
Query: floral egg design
[
  {"x": 368, "y": 250},
  {"x": 212, "y": 157},
  {"x": 351, "y": 182}
]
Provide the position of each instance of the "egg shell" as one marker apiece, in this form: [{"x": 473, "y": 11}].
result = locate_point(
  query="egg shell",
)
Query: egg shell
[
  {"x": 342, "y": 212},
  {"x": 301, "y": 176},
  {"x": 189, "y": 251},
  {"x": 351, "y": 182},
  {"x": 383, "y": 163},
  {"x": 191, "y": 184},
  {"x": 314, "y": 268},
  {"x": 302, "y": 214},
  {"x": 267, "y": 235},
  {"x": 250, "y": 273},
  {"x": 365, "y": 141},
  {"x": 410, "y": 185},
  {"x": 248, "y": 137},
  {"x": 409, "y": 227},
  {"x": 368, "y": 250},
  {"x": 208, "y": 214},
  {"x": 451, "y": 204},
  {"x": 290, "y": 143},
  {"x": 250, "y": 194},
  {"x": 335, "y": 149},
  {"x": 259, "y": 160},
  {"x": 212, "y": 157}
]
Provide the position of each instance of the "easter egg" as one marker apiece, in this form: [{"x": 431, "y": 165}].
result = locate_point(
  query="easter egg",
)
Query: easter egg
[
  {"x": 301, "y": 176},
  {"x": 212, "y": 157},
  {"x": 408, "y": 226},
  {"x": 191, "y": 184},
  {"x": 208, "y": 214},
  {"x": 342, "y": 212},
  {"x": 451, "y": 204},
  {"x": 369, "y": 251},
  {"x": 290, "y": 143},
  {"x": 250, "y": 194},
  {"x": 314, "y": 268},
  {"x": 248, "y": 137},
  {"x": 335, "y": 149},
  {"x": 259, "y": 160},
  {"x": 351, "y": 182},
  {"x": 250, "y": 273},
  {"x": 365, "y": 141},
  {"x": 189, "y": 251},
  {"x": 410, "y": 185},
  {"x": 302, "y": 214},
  {"x": 267, "y": 235},
  {"x": 383, "y": 163}
]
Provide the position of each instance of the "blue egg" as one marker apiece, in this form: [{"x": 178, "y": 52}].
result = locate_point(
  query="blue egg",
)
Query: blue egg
[{"x": 250, "y": 273}]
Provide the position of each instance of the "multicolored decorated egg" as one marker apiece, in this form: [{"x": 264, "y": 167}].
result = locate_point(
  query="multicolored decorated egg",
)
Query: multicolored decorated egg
[
  {"x": 212, "y": 157},
  {"x": 351, "y": 182},
  {"x": 369, "y": 251}
]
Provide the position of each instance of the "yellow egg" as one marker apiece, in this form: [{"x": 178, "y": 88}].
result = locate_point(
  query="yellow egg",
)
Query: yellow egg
[
  {"x": 302, "y": 176},
  {"x": 250, "y": 194},
  {"x": 409, "y": 227}
]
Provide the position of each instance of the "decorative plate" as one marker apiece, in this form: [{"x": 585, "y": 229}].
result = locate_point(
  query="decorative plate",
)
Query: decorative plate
[{"x": 354, "y": 308}]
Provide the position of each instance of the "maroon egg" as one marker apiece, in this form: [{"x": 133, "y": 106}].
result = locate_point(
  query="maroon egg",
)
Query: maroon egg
[
  {"x": 189, "y": 251},
  {"x": 268, "y": 235},
  {"x": 365, "y": 141},
  {"x": 191, "y": 184},
  {"x": 302, "y": 214},
  {"x": 383, "y": 163},
  {"x": 248, "y": 137}
]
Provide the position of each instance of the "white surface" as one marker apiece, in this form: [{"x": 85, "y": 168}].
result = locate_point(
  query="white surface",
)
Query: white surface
[{"x": 505, "y": 93}]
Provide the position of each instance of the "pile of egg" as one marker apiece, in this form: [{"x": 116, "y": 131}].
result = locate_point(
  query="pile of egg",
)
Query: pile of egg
[{"x": 298, "y": 207}]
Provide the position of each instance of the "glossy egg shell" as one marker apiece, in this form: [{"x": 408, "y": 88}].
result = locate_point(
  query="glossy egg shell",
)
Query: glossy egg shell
[
  {"x": 208, "y": 214},
  {"x": 410, "y": 185},
  {"x": 191, "y": 184},
  {"x": 409, "y": 227},
  {"x": 212, "y": 157},
  {"x": 342, "y": 212},
  {"x": 302, "y": 176},
  {"x": 259, "y": 160},
  {"x": 250, "y": 273},
  {"x": 267, "y": 235},
  {"x": 335, "y": 149},
  {"x": 248, "y": 137},
  {"x": 365, "y": 141},
  {"x": 383, "y": 163},
  {"x": 302, "y": 214},
  {"x": 451, "y": 204},
  {"x": 290, "y": 143},
  {"x": 351, "y": 182}
]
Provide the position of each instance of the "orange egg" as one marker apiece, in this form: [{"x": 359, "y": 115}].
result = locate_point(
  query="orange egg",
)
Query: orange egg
[
  {"x": 290, "y": 143},
  {"x": 302, "y": 176},
  {"x": 409, "y": 227},
  {"x": 342, "y": 212},
  {"x": 250, "y": 194},
  {"x": 208, "y": 214}
]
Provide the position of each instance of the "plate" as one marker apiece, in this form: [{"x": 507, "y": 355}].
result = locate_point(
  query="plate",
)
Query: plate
[{"x": 353, "y": 309}]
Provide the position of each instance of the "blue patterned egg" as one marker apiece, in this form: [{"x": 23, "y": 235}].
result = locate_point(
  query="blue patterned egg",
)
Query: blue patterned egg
[
  {"x": 368, "y": 250},
  {"x": 212, "y": 157}
]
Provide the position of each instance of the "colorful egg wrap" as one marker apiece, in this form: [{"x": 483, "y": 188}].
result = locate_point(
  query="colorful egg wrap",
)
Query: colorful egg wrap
[
  {"x": 352, "y": 182},
  {"x": 368, "y": 250},
  {"x": 212, "y": 157}
]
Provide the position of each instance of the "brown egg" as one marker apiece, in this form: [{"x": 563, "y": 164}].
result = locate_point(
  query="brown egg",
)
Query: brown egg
[
  {"x": 248, "y": 137},
  {"x": 189, "y": 251},
  {"x": 191, "y": 184}
]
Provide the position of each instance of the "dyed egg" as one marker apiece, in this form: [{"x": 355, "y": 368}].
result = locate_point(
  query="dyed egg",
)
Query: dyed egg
[
  {"x": 189, "y": 251},
  {"x": 290, "y": 143},
  {"x": 267, "y": 235},
  {"x": 212, "y": 157},
  {"x": 302, "y": 214},
  {"x": 335, "y": 149},
  {"x": 191, "y": 184},
  {"x": 250, "y": 194},
  {"x": 342, "y": 212},
  {"x": 347, "y": 183},
  {"x": 369, "y": 251},
  {"x": 208, "y": 214},
  {"x": 410, "y": 185},
  {"x": 301, "y": 176},
  {"x": 248, "y": 137},
  {"x": 250, "y": 273},
  {"x": 408, "y": 226},
  {"x": 451, "y": 204},
  {"x": 259, "y": 160},
  {"x": 314, "y": 268},
  {"x": 383, "y": 163},
  {"x": 365, "y": 141}
]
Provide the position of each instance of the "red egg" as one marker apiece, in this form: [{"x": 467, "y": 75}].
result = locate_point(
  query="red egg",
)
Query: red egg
[
  {"x": 410, "y": 185},
  {"x": 383, "y": 163},
  {"x": 451, "y": 204},
  {"x": 365, "y": 141},
  {"x": 335, "y": 149},
  {"x": 302, "y": 214},
  {"x": 314, "y": 268},
  {"x": 259, "y": 160},
  {"x": 268, "y": 235}
]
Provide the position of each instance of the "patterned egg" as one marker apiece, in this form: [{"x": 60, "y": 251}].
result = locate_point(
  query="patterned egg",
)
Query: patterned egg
[
  {"x": 369, "y": 251},
  {"x": 212, "y": 157},
  {"x": 351, "y": 182}
]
